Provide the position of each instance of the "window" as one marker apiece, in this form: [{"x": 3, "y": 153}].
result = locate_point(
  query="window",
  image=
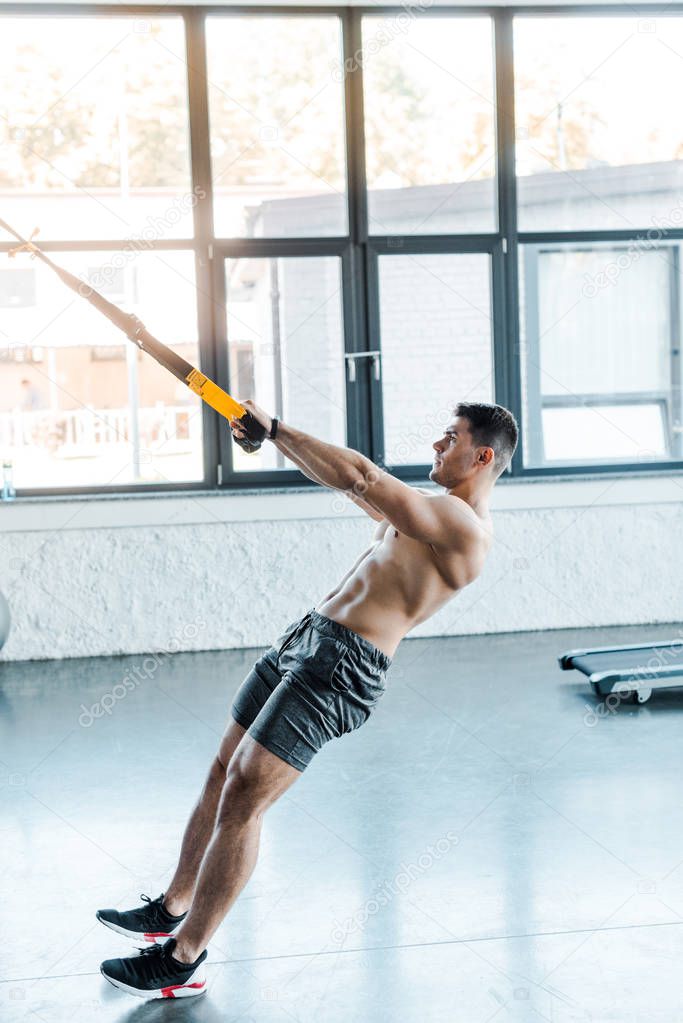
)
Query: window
[
  {"x": 435, "y": 316},
  {"x": 85, "y": 416},
  {"x": 118, "y": 283},
  {"x": 277, "y": 126},
  {"x": 599, "y": 150},
  {"x": 429, "y": 124},
  {"x": 17, "y": 288},
  {"x": 112, "y": 353},
  {"x": 18, "y": 352},
  {"x": 599, "y": 136},
  {"x": 383, "y": 212},
  {"x": 242, "y": 376},
  {"x": 600, "y": 432},
  {"x": 286, "y": 312},
  {"x": 602, "y": 373},
  {"x": 96, "y": 128}
]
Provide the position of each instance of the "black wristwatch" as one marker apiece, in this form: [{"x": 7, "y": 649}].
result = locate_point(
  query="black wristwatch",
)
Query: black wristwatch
[{"x": 273, "y": 427}]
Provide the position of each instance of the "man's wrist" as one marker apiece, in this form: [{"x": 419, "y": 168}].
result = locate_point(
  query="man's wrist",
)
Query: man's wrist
[{"x": 287, "y": 435}]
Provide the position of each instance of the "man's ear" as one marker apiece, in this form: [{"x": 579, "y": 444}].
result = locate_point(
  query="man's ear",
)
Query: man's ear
[{"x": 486, "y": 456}]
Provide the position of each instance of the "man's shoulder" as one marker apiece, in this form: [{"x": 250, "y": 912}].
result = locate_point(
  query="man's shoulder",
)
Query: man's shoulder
[{"x": 461, "y": 523}]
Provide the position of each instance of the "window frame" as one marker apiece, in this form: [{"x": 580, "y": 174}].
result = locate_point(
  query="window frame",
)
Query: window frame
[
  {"x": 358, "y": 250},
  {"x": 535, "y": 408}
]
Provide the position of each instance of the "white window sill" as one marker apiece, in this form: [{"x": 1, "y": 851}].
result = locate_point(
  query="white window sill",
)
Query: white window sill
[{"x": 183, "y": 508}]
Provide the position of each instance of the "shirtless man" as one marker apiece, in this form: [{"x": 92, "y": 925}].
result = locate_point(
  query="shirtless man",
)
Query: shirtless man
[{"x": 321, "y": 678}]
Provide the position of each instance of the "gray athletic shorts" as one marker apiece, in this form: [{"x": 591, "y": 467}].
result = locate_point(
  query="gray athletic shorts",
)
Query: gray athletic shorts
[{"x": 318, "y": 681}]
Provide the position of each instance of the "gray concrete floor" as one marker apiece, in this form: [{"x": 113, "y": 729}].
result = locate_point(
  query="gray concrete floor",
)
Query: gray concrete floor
[{"x": 485, "y": 848}]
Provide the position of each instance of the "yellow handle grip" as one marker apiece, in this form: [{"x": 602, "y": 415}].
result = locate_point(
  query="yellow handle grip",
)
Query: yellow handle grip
[{"x": 214, "y": 395}]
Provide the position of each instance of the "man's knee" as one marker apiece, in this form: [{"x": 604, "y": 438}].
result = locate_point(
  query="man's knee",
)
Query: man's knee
[
  {"x": 229, "y": 743},
  {"x": 218, "y": 770},
  {"x": 243, "y": 797}
]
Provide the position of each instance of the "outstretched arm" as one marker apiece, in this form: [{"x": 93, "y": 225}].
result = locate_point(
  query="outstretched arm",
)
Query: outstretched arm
[
  {"x": 444, "y": 521},
  {"x": 299, "y": 461},
  {"x": 326, "y": 463},
  {"x": 329, "y": 464}
]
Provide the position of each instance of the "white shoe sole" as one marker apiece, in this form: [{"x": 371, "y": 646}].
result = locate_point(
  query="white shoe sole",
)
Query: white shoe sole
[
  {"x": 196, "y": 985},
  {"x": 151, "y": 938}
]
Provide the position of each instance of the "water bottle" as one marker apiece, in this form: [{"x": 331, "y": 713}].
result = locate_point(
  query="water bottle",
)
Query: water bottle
[{"x": 8, "y": 491}]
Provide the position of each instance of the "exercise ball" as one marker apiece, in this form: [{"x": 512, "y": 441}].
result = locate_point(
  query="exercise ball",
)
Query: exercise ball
[{"x": 5, "y": 621}]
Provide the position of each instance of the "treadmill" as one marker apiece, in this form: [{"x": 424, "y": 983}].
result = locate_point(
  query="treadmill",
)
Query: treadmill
[{"x": 631, "y": 671}]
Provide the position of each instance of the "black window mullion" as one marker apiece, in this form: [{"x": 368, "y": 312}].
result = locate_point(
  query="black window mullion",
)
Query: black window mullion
[
  {"x": 676, "y": 407},
  {"x": 506, "y": 346},
  {"x": 207, "y": 321},
  {"x": 355, "y": 127},
  {"x": 502, "y": 364},
  {"x": 360, "y": 253},
  {"x": 455, "y": 245},
  {"x": 263, "y": 249},
  {"x": 352, "y": 304},
  {"x": 533, "y": 422},
  {"x": 374, "y": 379},
  {"x": 502, "y": 276},
  {"x": 353, "y": 289},
  {"x": 222, "y": 363},
  {"x": 361, "y": 402}
]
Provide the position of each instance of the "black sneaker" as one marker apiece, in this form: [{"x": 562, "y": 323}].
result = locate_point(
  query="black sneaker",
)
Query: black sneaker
[
  {"x": 149, "y": 923},
  {"x": 154, "y": 973}
]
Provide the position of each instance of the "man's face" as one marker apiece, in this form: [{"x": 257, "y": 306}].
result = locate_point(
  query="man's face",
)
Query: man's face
[{"x": 454, "y": 454}]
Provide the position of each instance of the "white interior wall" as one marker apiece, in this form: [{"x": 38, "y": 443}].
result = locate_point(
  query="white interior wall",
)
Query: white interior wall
[{"x": 139, "y": 574}]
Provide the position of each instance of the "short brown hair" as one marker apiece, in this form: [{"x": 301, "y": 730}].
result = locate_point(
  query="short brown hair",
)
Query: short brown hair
[{"x": 491, "y": 426}]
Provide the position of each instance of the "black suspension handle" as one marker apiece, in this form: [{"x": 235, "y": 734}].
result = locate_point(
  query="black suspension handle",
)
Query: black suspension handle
[{"x": 255, "y": 433}]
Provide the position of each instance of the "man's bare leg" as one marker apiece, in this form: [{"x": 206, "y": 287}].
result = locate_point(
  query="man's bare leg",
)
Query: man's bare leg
[
  {"x": 256, "y": 778},
  {"x": 200, "y": 826}
]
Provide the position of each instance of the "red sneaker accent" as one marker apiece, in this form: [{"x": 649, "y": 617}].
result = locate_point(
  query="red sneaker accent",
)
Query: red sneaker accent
[
  {"x": 167, "y": 992},
  {"x": 152, "y": 936}
]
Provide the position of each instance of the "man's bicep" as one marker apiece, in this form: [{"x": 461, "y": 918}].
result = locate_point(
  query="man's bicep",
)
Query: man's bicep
[
  {"x": 367, "y": 508},
  {"x": 408, "y": 510}
]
